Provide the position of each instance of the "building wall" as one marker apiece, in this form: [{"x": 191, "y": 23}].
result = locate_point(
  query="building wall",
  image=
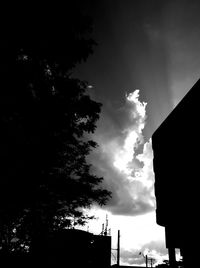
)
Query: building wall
[{"x": 176, "y": 145}]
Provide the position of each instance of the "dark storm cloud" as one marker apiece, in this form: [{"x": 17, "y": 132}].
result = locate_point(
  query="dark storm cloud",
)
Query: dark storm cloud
[
  {"x": 151, "y": 45},
  {"x": 181, "y": 27},
  {"x": 131, "y": 53}
]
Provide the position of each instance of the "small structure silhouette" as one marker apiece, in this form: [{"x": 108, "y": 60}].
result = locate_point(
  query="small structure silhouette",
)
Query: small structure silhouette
[
  {"x": 176, "y": 161},
  {"x": 74, "y": 248}
]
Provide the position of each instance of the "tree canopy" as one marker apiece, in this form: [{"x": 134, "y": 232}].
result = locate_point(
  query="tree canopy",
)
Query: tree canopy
[{"x": 46, "y": 118}]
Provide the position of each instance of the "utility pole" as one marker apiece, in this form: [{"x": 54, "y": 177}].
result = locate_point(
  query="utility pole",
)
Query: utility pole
[
  {"x": 151, "y": 262},
  {"x": 146, "y": 258},
  {"x": 118, "y": 249}
]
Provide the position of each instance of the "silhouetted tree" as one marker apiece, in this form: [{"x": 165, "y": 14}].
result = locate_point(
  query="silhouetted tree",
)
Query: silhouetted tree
[{"x": 46, "y": 116}]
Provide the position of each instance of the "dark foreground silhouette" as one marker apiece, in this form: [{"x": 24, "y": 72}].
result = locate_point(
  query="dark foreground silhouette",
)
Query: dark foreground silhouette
[
  {"x": 176, "y": 166},
  {"x": 66, "y": 248},
  {"x": 47, "y": 117}
]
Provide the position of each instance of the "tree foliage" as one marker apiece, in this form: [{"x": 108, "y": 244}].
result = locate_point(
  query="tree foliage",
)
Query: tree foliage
[{"x": 46, "y": 116}]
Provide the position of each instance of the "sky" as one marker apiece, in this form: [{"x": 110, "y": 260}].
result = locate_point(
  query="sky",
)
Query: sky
[{"x": 146, "y": 60}]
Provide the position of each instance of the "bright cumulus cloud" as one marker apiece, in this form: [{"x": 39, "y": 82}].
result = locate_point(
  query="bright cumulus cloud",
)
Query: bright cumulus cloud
[
  {"x": 125, "y": 160},
  {"x": 133, "y": 137}
]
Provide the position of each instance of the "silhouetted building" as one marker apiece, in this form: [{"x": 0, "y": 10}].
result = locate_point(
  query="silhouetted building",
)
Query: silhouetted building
[
  {"x": 74, "y": 248},
  {"x": 176, "y": 165}
]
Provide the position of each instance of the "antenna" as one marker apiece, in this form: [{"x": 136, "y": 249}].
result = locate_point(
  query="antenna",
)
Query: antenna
[
  {"x": 102, "y": 229},
  {"x": 105, "y": 231},
  {"x": 109, "y": 231},
  {"x": 106, "y": 227}
]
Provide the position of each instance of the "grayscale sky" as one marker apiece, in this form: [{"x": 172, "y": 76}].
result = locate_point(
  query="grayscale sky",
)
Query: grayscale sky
[{"x": 146, "y": 60}]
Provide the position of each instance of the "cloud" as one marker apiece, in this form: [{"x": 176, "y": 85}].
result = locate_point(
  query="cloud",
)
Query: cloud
[
  {"x": 154, "y": 250},
  {"x": 127, "y": 173},
  {"x": 129, "y": 257}
]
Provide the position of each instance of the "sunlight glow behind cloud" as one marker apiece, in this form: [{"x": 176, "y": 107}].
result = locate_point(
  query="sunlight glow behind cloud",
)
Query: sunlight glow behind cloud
[
  {"x": 133, "y": 135},
  {"x": 140, "y": 106},
  {"x": 125, "y": 160},
  {"x": 125, "y": 157}
]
